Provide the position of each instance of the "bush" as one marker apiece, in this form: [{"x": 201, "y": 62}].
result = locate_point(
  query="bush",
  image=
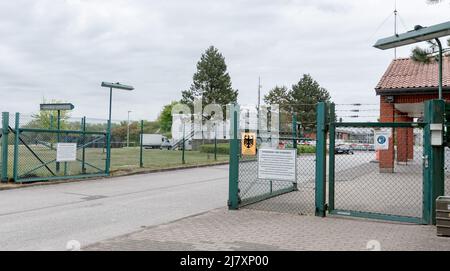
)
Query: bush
[
  {"x": 223, "y": 148},
  {"x": 302, "y": 149}
]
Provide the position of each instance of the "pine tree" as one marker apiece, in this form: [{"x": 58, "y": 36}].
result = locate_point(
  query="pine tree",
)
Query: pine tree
[{"x": 211, "y": 82}]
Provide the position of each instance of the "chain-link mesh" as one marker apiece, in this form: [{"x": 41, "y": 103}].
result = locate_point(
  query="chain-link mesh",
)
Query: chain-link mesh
[
  {"x": 387, "y": 182},
  {"x": 281, "y": 196},
  {"x": 447, "y": 171}
]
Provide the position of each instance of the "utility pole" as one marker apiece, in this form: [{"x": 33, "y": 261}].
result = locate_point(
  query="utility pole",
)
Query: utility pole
[
  {"x": 128, "y": 129},
  {"x": 259, "y": 105},
  {"x": 395, "y": 27}
]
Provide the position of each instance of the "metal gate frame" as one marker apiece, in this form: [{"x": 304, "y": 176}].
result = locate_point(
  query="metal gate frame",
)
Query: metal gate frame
[{"x": 17, "y": 131}]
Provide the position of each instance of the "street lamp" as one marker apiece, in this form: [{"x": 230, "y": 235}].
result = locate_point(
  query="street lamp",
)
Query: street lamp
[
  {"x": 108, "y": 138},
  {"x": 419, "y": 34},
  {"x": 128, "y": 129}
]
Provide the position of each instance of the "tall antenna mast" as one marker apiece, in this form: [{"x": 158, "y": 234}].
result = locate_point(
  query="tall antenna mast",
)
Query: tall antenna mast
[
  {"x": 395, "y": 26},
  {"x": 259, "y": 92}
]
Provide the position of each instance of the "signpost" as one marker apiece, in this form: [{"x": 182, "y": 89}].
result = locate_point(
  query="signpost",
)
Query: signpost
[{"x": 57, "y": 107}]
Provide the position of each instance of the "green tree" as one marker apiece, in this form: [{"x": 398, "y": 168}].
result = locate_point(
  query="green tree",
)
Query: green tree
[
  {"x": 301, "y": 99},
  {"x": 278, "y": 95},
  {"x": 165, "y": 117},
  {"x": 304, "y": 97},
  {"x": 211, "y": 82}
]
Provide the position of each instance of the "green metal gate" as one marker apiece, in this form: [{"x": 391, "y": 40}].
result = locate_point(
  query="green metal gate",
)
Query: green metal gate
[
  {"x": 32, "y": 151},
  {"x": 380, "y": 184},
  {"x": 249, "y": 191}
]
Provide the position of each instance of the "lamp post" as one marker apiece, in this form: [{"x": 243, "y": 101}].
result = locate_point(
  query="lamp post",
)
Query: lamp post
[
  {"x": 128, "y": 129},
  {"x": 108, "y": 136},
  {"x": 419, "y": 34}
]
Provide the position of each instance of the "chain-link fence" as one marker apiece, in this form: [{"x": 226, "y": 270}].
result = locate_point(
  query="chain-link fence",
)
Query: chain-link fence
[
  {"x": 447, "y": 171},
  {"x": 387, "y": 181},
  {"x": 39, "y": 136}
]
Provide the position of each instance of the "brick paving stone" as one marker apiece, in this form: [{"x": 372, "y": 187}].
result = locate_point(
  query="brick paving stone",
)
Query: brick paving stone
[{"x": 223, "y": 230}]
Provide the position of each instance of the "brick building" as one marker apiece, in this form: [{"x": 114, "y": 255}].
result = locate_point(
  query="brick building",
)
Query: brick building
[{"x": 403, "y": 89}]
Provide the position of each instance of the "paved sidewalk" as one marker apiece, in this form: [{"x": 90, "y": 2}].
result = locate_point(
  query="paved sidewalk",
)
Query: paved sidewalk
[{"x": 245, "y": 229}]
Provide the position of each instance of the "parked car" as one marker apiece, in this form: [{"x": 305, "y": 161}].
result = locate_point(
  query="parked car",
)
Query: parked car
[{"x": 343, "y": 149}]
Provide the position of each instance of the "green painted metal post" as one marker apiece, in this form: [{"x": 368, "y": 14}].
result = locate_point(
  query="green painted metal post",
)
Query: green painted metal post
[
  {"x": 51, "y": 121},
  {"x": 215, "y": 142},
  {"x": 58, "y": 125},
  {"x": 233, "y": 189},
  {"x": 5, "y": 135},
  {"x": 294, "y": 131},
  {"x": 16, "y": 147},
  {"x": 331, "y": 173},
  {"x": 183, "y": 161},
  {"x": 141, "y": 158},
  {"x": 108, "y": 136},
  {"x": 434, "y": 175},
  {"x": 83, "y": 152},
  {"x": 321, "y": 160}
]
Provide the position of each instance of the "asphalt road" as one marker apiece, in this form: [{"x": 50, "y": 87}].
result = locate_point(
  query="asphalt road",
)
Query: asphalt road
[{"x": 48, "y": 217}]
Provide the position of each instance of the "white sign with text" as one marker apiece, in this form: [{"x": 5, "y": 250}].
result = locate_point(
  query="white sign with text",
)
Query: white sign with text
[
  {"x": 66, "y": 152},
  {"x": 279, "y": 165}
]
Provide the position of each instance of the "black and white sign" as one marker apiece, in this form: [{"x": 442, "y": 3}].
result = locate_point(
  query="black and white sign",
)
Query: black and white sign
[
  {"x": 382, "y": 140},
  {"x": 66, "y": 152},
  {"x": 279, "y": 165}
]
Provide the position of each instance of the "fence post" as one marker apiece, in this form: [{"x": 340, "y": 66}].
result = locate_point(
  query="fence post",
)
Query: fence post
[
  {"x": 321, "y": 158},
  {"x": 215, "y": 142},
  {"x": 331, "y": 173},
  {"x": 141, "y": 159},
  {"x": 83, "y": 154},
  {"x": 5, "y": 133},
  {"x": 233, "y": 192},
  {"x": 294, "y": 131},
  {"x": 58, "y": 125},
  {"x": 183, "y": 161},
  {"x": 16, "y": 147},
  {"x": 434, "y": 177}
]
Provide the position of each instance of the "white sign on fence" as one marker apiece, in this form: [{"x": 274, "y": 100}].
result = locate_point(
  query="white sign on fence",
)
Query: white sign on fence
[
  {"x": 66, "y": 152},
  {"x": 279, "y": 165},
  {"x": 382, "y": 140}
]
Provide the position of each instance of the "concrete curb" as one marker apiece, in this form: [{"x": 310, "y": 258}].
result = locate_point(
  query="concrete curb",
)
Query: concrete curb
[{"x": 143, "y": 172}]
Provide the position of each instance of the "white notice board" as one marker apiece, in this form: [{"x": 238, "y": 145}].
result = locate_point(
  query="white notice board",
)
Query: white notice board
[
  {"x": 279, "y": 165},
  {"x": 66, "y": 152}
]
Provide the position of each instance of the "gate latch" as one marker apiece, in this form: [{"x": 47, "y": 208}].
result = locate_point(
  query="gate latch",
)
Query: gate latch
[{"x": 425, "y": 161}]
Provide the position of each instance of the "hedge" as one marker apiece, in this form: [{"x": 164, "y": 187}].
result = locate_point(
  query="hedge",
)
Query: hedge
[{"x": 222, "y": 148}]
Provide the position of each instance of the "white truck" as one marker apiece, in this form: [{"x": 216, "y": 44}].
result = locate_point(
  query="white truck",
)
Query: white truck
[{"x": 155, "y": 141}]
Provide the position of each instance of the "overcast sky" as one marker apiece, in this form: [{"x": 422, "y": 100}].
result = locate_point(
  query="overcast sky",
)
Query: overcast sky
[{"x": 64, "y": 49}]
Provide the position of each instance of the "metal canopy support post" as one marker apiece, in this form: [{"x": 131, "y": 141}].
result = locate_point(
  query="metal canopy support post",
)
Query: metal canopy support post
[
  {"x": 5, "y": 132},
  {"x": 434, "y": 176},
  {"x": 321, "y": 158},
  {"x": 440, "y": 67},
  {"x": 233, "y": 196}
]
